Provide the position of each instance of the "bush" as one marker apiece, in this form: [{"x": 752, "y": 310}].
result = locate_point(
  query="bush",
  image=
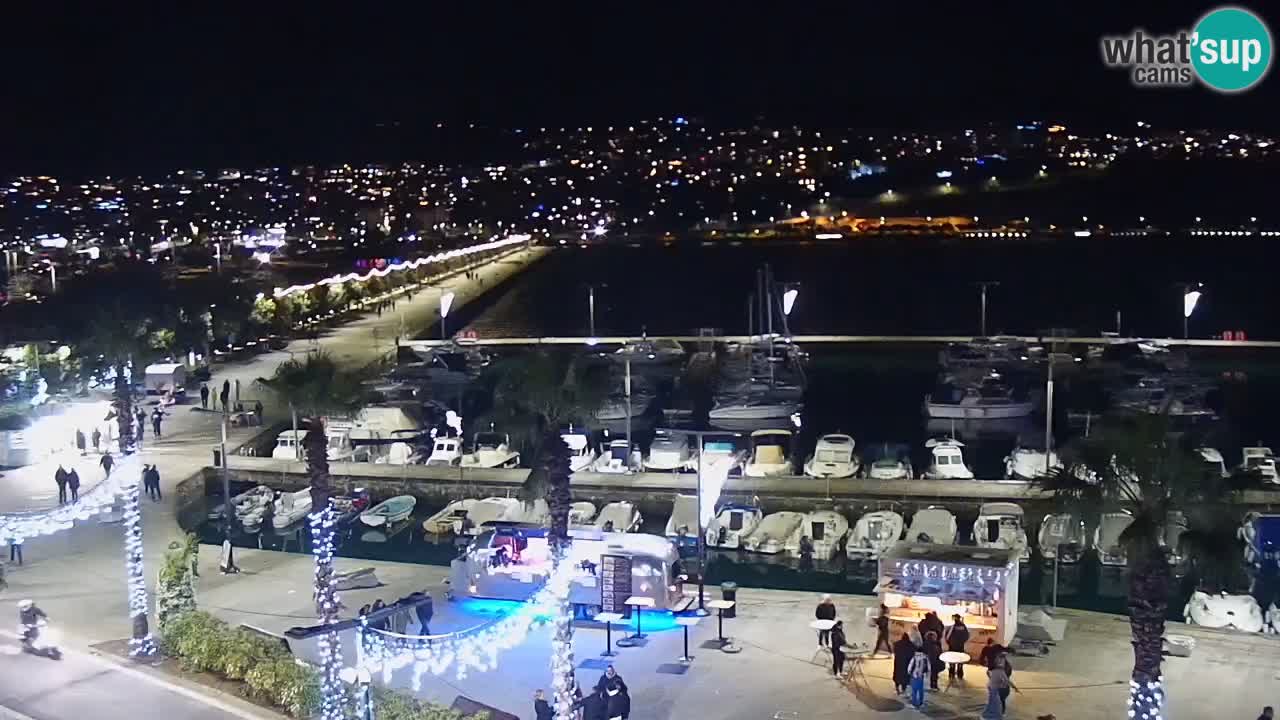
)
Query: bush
[
  {"x": 244, "y": 651},
  {"x": 391, "y": 705},
  {"x": 175, "y": 586}
]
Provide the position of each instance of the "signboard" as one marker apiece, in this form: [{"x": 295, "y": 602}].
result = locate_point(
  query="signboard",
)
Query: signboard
[
  {"x": 615, "y": 584},
  {"x": 948, "y": 572}
]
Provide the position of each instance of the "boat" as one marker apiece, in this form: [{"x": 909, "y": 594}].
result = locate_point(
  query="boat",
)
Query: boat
[
  {"x": 247, "y": 502},
  {"x": 1029, "y": 463},
  {"x": 350, "y": 506},
  {"x": 582, "y": 513},
  {"x": 1240, "y": 612},
  {"x": 890, "y": 462},
  {"x": 614, "y": 408},
  {"x": 1106, "y": 538},
  {"x": 986, "y": 353},
  {"x": 933, "y": 525},
  {"x": 291, "y": 507},
  {"x": 988, "y": 400},
  {"x": 449, "y": 516},
  {"x": 1175, "y": 524},
  {"x": 581, "y": 453},
  {"x": 650, "y": 351},
  {"x": 536, "y": 513},
  {"x": 761, "y": 405},
  {"x": 1260, "y": 534},
  {"x": 731, "y": 525},
  {"x": 825, "y": 531},
  {"x": 620, "y": 516},
  {"x": 1000, "y": 525},
  {"x": 714, "y": 450},
  {"x": 948, "y": 461},
  {"x": 770, "y": 454},
  {"x": 445, "y": 452},
  {"x": 670, "y": 452},
  {"x": 833, "y": 458},
  {"x": 873, "y": 535},
  {"x": 1062, "y": 537},
  {"x": 491, "y": 450},
  {"x": 771, "y": 535},
  {"x": 614, "y": 459},
  {"x": 289, "y": 445},
  {"x": 389, "y": 511},
  {"x": 488, "y": 510},
  {"x": 1214, "y": 465},
  {"x": 682, "y": 526},
  {"x": 1260, "y": 460}
]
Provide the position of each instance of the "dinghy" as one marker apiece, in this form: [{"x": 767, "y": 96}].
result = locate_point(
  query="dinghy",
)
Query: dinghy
[
  {"x": 873, "y": 534},
  {"x": 389, "y": 511},
  {"x": 933, "y": 525},
  {"x": 1062, "y": 536},
  {"x": 682, "y": 526},
  {"x": 999, "y": 525},
  {"x": 732, "y": 525},
  {"x": 1239, "y": 612},
  {"x": 444, "y": 521},
  {"x": 619, "y": 516},
  {"x": 291, "y": 507},
  {"x": 771, "y": 535},
  {"x": 825, "y": 530}
]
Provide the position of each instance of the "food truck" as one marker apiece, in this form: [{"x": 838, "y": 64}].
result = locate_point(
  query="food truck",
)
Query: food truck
[
  {"x": 512, "y": 561},
  {"x": 979, "y": 584}
]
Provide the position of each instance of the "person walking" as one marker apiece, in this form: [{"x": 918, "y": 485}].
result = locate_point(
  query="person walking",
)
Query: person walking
[
  {"x": 933, "y": 649},
  {"x": 619, "y": 701},
  {"x": 204, "y": 396},
  {"x": 15, "y": 551},
  {"x": 838, "y": 642},
  {"x": 155, "y": 483},
  {"x": 916, "y": 670},
  {"x": 73, "y": 484},
  {"x": 60, "y": 477},
  {"x": 80, "y": 440},
  {"x": 1267, "y": 713},
  {"x": 97, "y": 438},
  {"x": 226, "y": 396},
  {"x": 882, "y": 631},
  {"x": 146, "y": 479},
  {"x": 955, "y": 638},
  {"x": 826, "y": 610},
  {"x": 106, "y": 462},
  {"x": 903, "y": 651},
  {"x": 541, "y": 708},
  {"x": 998, "y": 684},
  {"x": 157, "y": 416}
]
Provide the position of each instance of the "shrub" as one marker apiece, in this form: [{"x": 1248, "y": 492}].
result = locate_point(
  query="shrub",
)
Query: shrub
[
  {"x": 243, "y": 652},
  {"x": 175, "y": 586}
]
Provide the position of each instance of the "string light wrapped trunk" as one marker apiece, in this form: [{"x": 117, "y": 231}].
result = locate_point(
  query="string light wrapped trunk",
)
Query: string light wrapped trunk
[{"x": 141, "y": 643}]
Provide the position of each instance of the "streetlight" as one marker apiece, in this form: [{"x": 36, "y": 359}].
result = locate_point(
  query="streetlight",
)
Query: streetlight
[
  {"x": 1189, "y": 299},
  {"x": 446, "y": 301}
]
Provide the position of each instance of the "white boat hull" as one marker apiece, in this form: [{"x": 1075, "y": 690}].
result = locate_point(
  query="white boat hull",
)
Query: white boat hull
[
  {"x": 747, "y": 411},
  {"x": 766, "y": 469},
  {"x": 1002, "y": 411},
  {"x": 830, "y": 470}
]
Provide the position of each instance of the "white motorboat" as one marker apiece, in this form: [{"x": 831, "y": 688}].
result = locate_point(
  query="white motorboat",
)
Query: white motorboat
[
  {"x": 682, "y": 526},
  {"x": 715, "y": 450},
  {"x": 933, "y": 525},
  {"x": 771, "y": 535},
  {"x": 450, "y": 515},
  {"x": 732, "y": 525},
  {"x": 491, "y": 450},
  {"x": 988, "y": 400},
  {"x": 445, "y": 452},
  {"x": 948, "y": 461},
  {"x": 756, "y": 403},
  {"x": 289, "y": 445},
  {"x": 1106, "y": 538},
  {"x": 890, "y": 462},
  {"x": 1026, "y": 463},
  {"x": 1260, "y": 460},
  {"x": 249, "y": 506},
  {"x": 620, "y": 516},
  {"x": 833, "y": 458},
  {"x": 670, "y": 452},
  {"x": 1062, "y": 536},
  {"x": 581, "y": 453},
  {"x": 1240, "y": 612},
  {"x": 770, "y": 454},
  {"x": 825, "y": 531},
  {"x": 536, "y": 513},
  {"x": 390, "y": 511},
  {"x": 488, "y": 510},
  {"x": 1000, "y": 525},
  {"x": 614, "y": 460},
  {"x": 650, "y": 352},
  {"x": 582, "y": 513},
  {"x": 291, "y": 508},
  {"x": 874, "y": 534},
  {"x": 1213, "y": 462}
]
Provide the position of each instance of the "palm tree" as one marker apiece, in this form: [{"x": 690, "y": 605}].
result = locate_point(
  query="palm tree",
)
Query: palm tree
[{"x": 1137, "y": 465}]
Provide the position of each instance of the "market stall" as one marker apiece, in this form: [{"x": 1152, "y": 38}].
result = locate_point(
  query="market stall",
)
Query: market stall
[{"x": 979, "y": 584}]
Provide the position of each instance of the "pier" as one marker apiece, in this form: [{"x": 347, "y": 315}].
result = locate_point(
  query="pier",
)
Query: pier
[{"x": 845, "y": 339}]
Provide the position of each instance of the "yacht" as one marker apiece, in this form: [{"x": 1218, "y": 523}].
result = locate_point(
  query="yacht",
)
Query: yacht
[
  {"x": 933, "y": 525},
  {"x": 581, "y": 454},
  {"x": 833, "y": 458},
  {"x": 1029, "y": 463},
  {"x": 614, "y": 408},
  {"x": 753, "y": 405},
  {"x": 1260, "y": 460},
  {"x": 825, "y": 530},
  {"x": 731, "y": 525},
  {"x": 771, "y": 535},
  {"x": 491, "y": 450},
  {"x": 989, "y": 400},
  {"x": 614, "y": 460},
  {"x": 1062, "y": 536},
  {"x": 670, "y": 452},
  {"x": 891, "y": 462},
  {"x": 770, "y": 454},
  {"x": 874, "y": 534},
  {"x": 948, "y": 461},
  {"x": 682, "y": 526},
  {"x": 620, "y": 516},
  {"x": 445, "y": 452},
  {"x": 1000, "y": 525},
  {"x": 1106, "y": 538}
]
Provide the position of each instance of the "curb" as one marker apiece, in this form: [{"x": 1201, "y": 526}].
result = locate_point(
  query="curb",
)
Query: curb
[{"x": 220, "y": 699}]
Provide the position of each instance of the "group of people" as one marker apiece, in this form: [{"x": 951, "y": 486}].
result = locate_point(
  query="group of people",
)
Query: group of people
[
  {"x": 151, "y": 482},
  {"x": 67, "y": 480},
  {"x": 608, "y": 700},
  {"x": 224, "y": 396},
  {"x": 918, "y": 656}
]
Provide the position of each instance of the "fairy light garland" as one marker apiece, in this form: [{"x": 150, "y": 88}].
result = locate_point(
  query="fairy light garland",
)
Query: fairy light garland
[
  {"x": 140, "y": 642},
  {"x": 332, "y": 689},
  {"x": 1146, "y": 699}
]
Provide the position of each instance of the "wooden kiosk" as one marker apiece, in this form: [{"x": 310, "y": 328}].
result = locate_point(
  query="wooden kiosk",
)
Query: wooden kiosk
[{"x": 979, "y": 584}]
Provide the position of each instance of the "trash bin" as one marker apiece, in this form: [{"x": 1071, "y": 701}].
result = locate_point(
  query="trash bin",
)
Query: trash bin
[
  {"x": 217, "y": 456},
  {"x": 729, "y": 591}
]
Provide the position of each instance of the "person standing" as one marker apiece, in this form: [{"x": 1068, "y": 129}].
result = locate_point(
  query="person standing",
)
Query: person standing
[
  {"x": 204, "y": 396},
  {"x": 826, "y": 610},
  {"x": 956, "y": 637},
  {"x": 226, "y": 396},
  {"x": 257, "y": 410},
  {"x": 903, "y": 651},
  {"x": 837, "y": 648},
  {"x": 541, "y": 708},
  {"x": 106, "y": 462},
  {"x": 157, "y": 417},
  {"x": 73, "y": 484},
  {"x": 619, "y": 701},
  {"x": 916, "y": 670},
  {"x": 60, "y": 477},
  {"x": 146, "y": 479},
  {"x": 141, "y": 430},
  {"x": 933, "y": 648},
  {"x": 97, "y": 439},
  {"x": 155, "y": 483},
  {"x": 80, "y": 440},
  {"x": 998, "y": 684},
  {"x": 882, "y": 631},
  {"x": 1267, "y": 713},
  {"x": 15, "y": 551}
]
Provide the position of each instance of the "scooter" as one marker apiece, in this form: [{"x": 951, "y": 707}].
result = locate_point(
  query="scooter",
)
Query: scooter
[{"x": 38, "y": 640}]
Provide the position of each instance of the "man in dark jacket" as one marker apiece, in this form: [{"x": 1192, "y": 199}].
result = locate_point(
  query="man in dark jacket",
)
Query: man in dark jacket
[
  {"x": 106, "y": 462},
  {"x": 933, "y": 648},
  {"x": 594, "y": 706},
  {"x": 837, "y": 648},
  {"x": 610, "y": 675},
  {"x": 955, "y": 638},
  {"x": 882, "y": 631},
  {"x": 204, "y": 396},
  {"x": 60, "y": 477},
  {"x": 153, "y": 478},
  {"x": 826, "y": 611},
  {"x": 73, "y": 484},
  {"x": 903, "y": 651},
  {"x": 618, "y": 699},
  {"x": 541, "y": 708},
  {"x": 931, "y": 623}
]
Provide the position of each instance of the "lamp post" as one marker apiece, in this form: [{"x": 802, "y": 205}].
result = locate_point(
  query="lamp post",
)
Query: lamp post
[{"x": 228, "y": 564}]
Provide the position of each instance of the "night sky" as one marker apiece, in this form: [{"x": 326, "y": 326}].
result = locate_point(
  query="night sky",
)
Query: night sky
[{"x": 124, "y": 90}]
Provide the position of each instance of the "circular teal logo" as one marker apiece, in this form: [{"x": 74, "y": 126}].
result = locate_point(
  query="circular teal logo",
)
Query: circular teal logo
[{"x": 1231, "y": 49}]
